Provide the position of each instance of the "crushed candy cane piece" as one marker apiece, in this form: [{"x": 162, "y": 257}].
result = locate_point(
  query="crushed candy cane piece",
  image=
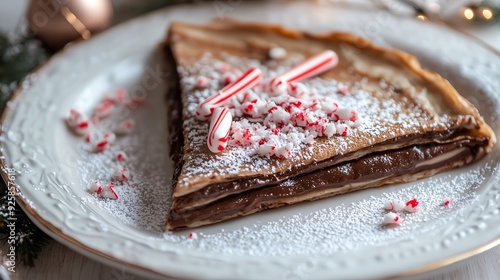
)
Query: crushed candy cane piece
[
  {"x": 193, "y": 235},
  {"x": 412, "y": 206},
  {"x": 278, "y": 86},
  {"x": 121, "y": 173},
  {"x": 105, "y": 109},
  {"x": 392, "y": 219},
  {"x": 125, "y": 127},
  {"x": 88, "y": 137},
  {"x": 121, "y": 156},
  {"x": 298, "y": 90},
  {"x": 342, "y": 129},
  {"x": 398, "y": 205},
  {"x": 284, "y": 151},
  {"x": 109, "y": 191},
  {"x": 447, "y": 202},
  {"x": 96, "y": 187},
  {"x": 202, "y": 82},
  {"x": 277, "y": 53},
  {"x": 394, "y": 205},
  {"x": 388, "y": 205},
  {"x": 74, "y": 118},
  {"x": 106, "y": 141},
  {"x": 82, "y": 128},
  {"x": 110, "y": 137},
  {"x": 102, "y": 145}
]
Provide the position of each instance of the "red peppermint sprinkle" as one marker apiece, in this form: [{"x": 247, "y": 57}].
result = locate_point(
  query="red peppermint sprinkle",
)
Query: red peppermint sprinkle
[
  {"x": 121, "y": 173},
  {"x": 88, "y": 137},
  {"x": 299, "y": 90},
  {"x": 104, "y": 110},
  {"x": 447, "y": 202},
  {"x": 394, "y": 205},
  {"x": 412, "y": 205},
  {"x": 74, "y": 118},
  {"x": 202, "y": 82},
  {"x": 96, "y": 187},
  {"x": 82, "y": 127},
  {"x": 284, "y": 151},
  {"x": 342, "y": 129},
  {"x": 102, "y": 145},
  {"x": 392, "y": 219},
  {"x": 354, "y": 116},
  {"x": 193, "y": 235},
  {"x": 121, "y": 156},
  {"x": 109, "y": 191},
  {"x": 272, "y": 109}
]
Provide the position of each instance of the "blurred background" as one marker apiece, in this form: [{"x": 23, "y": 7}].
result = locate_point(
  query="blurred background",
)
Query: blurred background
[{"x": 56, "y": 22}]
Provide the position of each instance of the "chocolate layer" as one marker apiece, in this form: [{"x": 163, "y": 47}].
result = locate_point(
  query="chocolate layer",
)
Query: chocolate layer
[
  {"x": 213, "y": 192},
  {"x": 174, "y": 105},
  {"x": 369, "y": 171}
]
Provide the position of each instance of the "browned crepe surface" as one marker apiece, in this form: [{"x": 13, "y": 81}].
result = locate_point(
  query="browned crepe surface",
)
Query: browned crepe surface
[{"x": 401, "y": 104}]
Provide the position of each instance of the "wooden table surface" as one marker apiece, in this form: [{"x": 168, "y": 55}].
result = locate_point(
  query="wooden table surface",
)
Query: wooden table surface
[{"x": 59, "y": 262}]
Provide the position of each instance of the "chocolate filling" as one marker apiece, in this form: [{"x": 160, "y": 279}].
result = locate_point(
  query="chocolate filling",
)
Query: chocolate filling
[
  {"x": 368, "y": 171},
  {"x": 216, "y": 191},
  {"x": 174, "y": 105}
]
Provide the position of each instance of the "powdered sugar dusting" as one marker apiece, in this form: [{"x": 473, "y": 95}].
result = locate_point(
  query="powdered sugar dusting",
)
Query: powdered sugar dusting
[
  {"x": 144, "y": 198},
  {"x": 268, "y": 128},
  {"x": 353, "y": 226},
  {"x": 338, "y": 224},
  {"x": 310, "y": 228}
]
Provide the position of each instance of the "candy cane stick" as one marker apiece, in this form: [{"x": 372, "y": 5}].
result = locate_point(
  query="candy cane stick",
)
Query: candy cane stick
[
  {"x": 246, "y": 81},
  {"x": 311, "y": 67},
  {"x": 219, "y": 130}
]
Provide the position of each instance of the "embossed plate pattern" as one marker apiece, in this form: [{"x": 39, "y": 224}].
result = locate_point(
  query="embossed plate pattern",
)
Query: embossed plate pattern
[{"x": 53, "y": 168}]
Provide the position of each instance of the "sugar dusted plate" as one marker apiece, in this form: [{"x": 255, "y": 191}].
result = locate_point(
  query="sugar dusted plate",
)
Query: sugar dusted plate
[{"x": 324, "y": 239}]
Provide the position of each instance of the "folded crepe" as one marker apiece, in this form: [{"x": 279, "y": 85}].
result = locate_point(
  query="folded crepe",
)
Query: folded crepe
[{"x": 413, "y": 124}]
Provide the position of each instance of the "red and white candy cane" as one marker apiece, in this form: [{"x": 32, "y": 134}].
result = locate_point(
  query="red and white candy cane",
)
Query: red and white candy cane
[
  {"x": 218, "y": 133},
  {"x": 246, "y": 81},
  {"x": 311, "y": 67}
]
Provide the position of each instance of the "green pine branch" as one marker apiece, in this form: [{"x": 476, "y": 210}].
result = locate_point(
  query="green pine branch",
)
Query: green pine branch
[{"x": 18, "y": 59}]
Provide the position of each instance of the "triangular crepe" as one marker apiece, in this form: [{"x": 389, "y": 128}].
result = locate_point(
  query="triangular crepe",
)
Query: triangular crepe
[{"x": 414, "y": 123}]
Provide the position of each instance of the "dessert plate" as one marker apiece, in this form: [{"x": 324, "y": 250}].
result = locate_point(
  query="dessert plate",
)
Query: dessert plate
[{"x": 52, "y": 168}]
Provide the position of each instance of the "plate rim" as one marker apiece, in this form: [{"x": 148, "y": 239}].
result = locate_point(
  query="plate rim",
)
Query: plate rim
[{"x": 57, "y": 234}]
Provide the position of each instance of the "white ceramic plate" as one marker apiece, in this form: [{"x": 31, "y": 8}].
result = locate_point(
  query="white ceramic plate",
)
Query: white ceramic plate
[{"x": 332, "y": 238}]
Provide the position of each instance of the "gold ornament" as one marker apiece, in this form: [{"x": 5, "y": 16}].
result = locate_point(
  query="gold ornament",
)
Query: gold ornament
[{"x": 58, "y": 22}]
